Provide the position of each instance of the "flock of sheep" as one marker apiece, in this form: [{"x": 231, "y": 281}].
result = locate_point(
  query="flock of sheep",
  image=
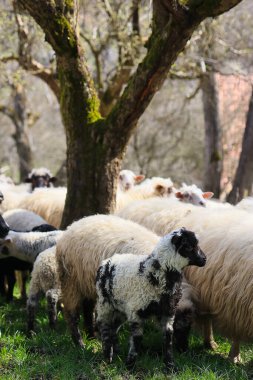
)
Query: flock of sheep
[{"x": 143, "y": 261}]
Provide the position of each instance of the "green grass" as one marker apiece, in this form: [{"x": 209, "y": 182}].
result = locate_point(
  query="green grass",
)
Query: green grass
[{"x": 51, "y": 355}]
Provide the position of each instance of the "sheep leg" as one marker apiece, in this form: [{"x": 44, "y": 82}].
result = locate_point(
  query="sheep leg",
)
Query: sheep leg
[
  {"x": 24, "y": 278},
  {"x": 209, "y": 341},
  {"x": 52, "y": 299},
  {"x": 11, "y": 279},
  {"x": 115, "y": 341},
  {"x": 168, "y": 336},
  {"x": 182, "y": 327},
  {"x": 234, "y": 353},
  {"x": 2, "y": 284},
  {"x": 135, "y": 343},
  {"x": 32, "y": 304},
  {"x": 72, "y": 319},
  {"x": 88, "y": 308},
  {"x": 107, "y": 341}
]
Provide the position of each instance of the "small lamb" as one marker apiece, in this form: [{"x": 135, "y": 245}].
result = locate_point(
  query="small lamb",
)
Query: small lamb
[{"x": 135, "y": 287}]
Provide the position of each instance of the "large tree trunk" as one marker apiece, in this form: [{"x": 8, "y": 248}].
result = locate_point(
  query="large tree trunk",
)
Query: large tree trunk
[
  {"x": 213, "y": 145},
  {"x": 244, "y": 174},
  {"x": 94, "y": 145}
]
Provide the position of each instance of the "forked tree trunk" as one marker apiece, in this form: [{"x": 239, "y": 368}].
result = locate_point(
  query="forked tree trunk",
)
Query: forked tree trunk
[
  {"x": 94, "y": 145},
  {"x": 243, "y": 181},
  {"x": 213, "y": 145}
]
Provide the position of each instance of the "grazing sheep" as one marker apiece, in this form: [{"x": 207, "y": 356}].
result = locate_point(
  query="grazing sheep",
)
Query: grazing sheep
[
  {"x": 27, "y": 245},
  {"x": 193, "y": 194},
  {"x": 44, "y": 281},
  {"x": 144, "y": 212},
  {"x": 48, "y": 203},
  {"x": 135, "y": 287},
  {"x": 40, "y": 177},
  {"x": 22, "y": 220},
  {"x": 79, "y": 253},
  {"x": 225, "y": 285},
  {"x": 127, "y": 179}
]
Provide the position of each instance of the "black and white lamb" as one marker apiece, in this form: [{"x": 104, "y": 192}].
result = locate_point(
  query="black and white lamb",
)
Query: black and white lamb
[{"x": 135, "y": 287}]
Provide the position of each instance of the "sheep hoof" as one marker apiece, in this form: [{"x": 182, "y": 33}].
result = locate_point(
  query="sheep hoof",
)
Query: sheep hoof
[
  {"x": 108, "y": 355},
  {"x": 235, "y": 359}
]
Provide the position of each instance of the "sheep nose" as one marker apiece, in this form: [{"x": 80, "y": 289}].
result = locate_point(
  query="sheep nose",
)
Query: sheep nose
[{"x": 202, "y": 204}]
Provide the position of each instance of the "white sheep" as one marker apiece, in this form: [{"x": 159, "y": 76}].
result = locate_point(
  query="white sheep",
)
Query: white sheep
[
  {"x": 44, "y": 281},
  {"x": 127, "y": 179},
  {"x": 48, "y": 203},
  {"x": 27, "y": 245},
  {"x": 226, "y": 284},
  {"x": 22, "y": 220},
  {"x": 144, "y": 212},
  {"x": 154, "y": 187},
  {"x": 79, "y": 253},
  {"x": 193, "y": 194},
  {"x": 136, "y": 287},
  {"x": 246, "y": 204}
]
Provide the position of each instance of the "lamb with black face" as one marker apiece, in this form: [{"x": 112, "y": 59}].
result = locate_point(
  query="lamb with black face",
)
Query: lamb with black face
[
  {"x": 140, "y": 286},
  {"x": 186, "y": 245}
]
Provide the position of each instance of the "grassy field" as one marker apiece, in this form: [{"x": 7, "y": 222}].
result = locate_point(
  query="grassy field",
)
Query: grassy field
[{"x": 51, "y": 354}]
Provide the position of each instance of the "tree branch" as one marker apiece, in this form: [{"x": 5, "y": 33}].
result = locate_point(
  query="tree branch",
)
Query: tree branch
[{"x": 164, "y": 47}]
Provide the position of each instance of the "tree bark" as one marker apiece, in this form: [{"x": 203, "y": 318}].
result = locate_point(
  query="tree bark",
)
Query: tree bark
[
  {"x": 94, "y": 145},
  {"x": 17, "y": 113},
  {"x": 243, "y": 181},
  {"x": 21, "y": 135},
  {"x": 213, "y": 145}
]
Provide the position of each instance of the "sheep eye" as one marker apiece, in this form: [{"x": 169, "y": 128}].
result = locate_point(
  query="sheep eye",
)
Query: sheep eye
[{"x": 120, "y": 177}]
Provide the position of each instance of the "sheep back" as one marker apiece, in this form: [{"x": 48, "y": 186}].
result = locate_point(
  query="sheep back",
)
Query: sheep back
[
  {"x": 48, "y": 203},
  {"x": 86, "y": 243},
  {"x": 22, "y": 220}
]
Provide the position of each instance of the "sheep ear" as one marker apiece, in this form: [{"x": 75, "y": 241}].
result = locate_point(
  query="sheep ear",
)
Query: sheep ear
[
  {"x": 160, "y": 189},
  {"x": 53, "y": 179},
  {"x": 28, "y": 180},
  {"x": 179, "y": 195},
  {"x": 176, "y": 240},
  {"x": 139, "y": 178},
  {"x": 208, "y": 195}
]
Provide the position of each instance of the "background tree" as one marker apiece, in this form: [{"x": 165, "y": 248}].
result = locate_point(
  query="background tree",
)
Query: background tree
[
  {"x": 242, "y": 185},
  {"x": 95, "y": 145},
  {"x": 22, "y": 119}
]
